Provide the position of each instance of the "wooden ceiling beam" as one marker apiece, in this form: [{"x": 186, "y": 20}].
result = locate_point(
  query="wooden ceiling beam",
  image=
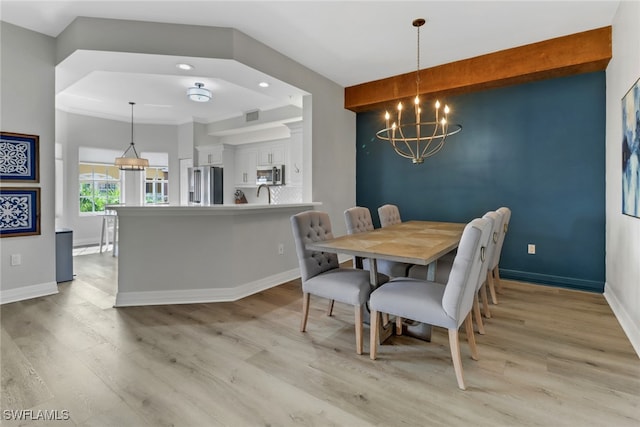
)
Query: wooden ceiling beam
[{"x": 563, "y": 56}]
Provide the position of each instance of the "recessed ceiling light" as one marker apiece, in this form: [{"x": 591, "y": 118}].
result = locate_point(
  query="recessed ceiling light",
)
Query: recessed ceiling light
[
  {"x": 263, "y": 84},
  {"x": 186, "y": 67}
]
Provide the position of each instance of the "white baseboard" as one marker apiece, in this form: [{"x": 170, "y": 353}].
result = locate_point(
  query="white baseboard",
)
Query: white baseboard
[
  {"x": 628, "y": 326},
  {"x": 86, "y": 242},
  {"x": 193, "y": 296},
  {"x": 28, "y": 292}
]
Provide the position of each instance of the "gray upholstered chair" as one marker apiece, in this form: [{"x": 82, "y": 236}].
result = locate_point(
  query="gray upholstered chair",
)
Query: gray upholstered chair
[
  {"x": 389, "y": 215},
  {"x": 321, "y": 274},
  {"x": 496, "y": 220},
  {"x": 444, "y": 269},
  {"x": 438, "y": 304},
  {"x": 493, "y": 279},
  {"x": 358, "y": 220}
]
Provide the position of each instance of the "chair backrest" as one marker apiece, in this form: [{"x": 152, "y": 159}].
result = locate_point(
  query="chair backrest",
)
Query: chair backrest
[
  {"x": 468, "y": 268},
  {"x": 312, "y": 226},
  {"x": 506, "y": 217},
  {"x": 389, "y": 215},
  {"x": 496, "y": 228},
  {"x": 358, "y": 219}
]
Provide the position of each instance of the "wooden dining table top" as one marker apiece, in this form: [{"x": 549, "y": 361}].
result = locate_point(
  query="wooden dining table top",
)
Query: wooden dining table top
[{"x": 414, "y": 242}]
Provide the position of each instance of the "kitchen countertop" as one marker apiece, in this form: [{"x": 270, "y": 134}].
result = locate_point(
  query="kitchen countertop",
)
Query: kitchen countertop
[{"x": 225, "y": 209}]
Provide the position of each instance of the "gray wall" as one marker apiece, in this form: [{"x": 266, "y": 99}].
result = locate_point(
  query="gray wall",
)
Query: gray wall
[
  {"x": 27, "y": 106},
  {"x": 74, "y": 131},
  {"x": 28, "y": 61}
]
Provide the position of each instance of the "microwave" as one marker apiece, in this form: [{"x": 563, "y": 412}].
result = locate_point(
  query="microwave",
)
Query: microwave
[{"x": 270, "y": 176}]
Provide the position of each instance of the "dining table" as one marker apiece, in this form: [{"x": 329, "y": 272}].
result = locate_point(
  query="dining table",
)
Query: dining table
[{"x": 413, "y": 242}]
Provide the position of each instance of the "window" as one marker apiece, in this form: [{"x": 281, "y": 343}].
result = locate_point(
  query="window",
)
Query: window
[
  {"x": 100, "y": 185},
  {"x": 156, "y": 185}
]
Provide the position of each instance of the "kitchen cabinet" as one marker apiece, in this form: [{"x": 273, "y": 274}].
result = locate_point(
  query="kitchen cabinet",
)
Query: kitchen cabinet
[
  {"x": 245, "y": 167},
  {"x": 271, "y": 154},
  {"x": 210, "y": 155}
]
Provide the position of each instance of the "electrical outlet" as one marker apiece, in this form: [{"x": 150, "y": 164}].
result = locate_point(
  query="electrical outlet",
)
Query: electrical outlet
[
  {"x": 280, "y": 249},
  {"x": 16, "y": 259},
  {"x": 531, "y": 249}
]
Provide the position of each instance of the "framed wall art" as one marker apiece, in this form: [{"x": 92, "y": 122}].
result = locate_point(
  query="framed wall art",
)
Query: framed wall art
[
  {"x": 631, "y": 151},
  {"x": 19, "y": 157},
  {"x": 19, "y": 211}
]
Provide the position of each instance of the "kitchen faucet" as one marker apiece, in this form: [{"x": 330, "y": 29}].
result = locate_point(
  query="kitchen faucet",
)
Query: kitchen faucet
[{"x": 268, "y": 191}]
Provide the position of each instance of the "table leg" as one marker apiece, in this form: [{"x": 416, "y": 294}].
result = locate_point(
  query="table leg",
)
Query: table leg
[
  {"x": 415, "y": 329},
  {"x": 385, "y": 330},
  {"x": 419, "y": 330},
  {"x": 431, "y": 271}
]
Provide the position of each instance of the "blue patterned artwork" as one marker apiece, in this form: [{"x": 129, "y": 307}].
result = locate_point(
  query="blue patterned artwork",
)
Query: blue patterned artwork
[
  {"x": 631, "y": 151},
  {"x": 19, "y": 211},
  {"x": 19, "y": 157}
]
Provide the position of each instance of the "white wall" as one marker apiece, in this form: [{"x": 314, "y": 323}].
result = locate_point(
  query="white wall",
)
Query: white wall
[
  {"x": 27, "y": 106},
  {"x": 74, "y": 131},
  {"x": 622, "y": 287}
]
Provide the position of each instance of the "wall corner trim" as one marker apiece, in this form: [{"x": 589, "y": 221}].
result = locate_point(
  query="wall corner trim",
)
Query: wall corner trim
[
  {"x": 630, "y": 329},
  {"x": 28, "y": 292}
]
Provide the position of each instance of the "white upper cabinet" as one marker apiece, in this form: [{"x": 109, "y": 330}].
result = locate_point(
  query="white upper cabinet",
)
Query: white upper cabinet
[
  {"x": 272, "y": 154},
  {"x": 210, "y": 155},
  {"x": 245, "y": 167}
]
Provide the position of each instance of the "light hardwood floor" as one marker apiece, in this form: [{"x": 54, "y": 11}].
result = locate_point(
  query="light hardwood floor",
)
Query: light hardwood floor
[{"x": 550, "y": 357}]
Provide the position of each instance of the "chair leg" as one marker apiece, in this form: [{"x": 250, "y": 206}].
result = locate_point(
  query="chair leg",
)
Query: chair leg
[
  {"x": 485, "y": 300},
  {"x": 398, "y": 325},
  {"x": 330, "y": 308},
  {"x": 373, "y": 338},
  {"x": 496, "y": 274},
  {"x": 476, "y": 313},
  {"x": 305, "y": 311},
  {"x": 359, "y": 329},
  {"x": 492, "y": 288},
  {"x": 468, "y": 326},
  {"x": 114, "y": 251},
  {"x": 102, "y": 234},
  {"x": 455, "y": 356}
]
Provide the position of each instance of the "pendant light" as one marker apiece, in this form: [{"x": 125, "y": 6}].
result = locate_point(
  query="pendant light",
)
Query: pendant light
[{"x": 135, "y": 162}]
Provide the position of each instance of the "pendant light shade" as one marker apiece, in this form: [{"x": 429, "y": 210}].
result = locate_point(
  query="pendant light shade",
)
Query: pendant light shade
[
  {"x": 133, "y": 162},
  {"x": 199, "y": 93}
]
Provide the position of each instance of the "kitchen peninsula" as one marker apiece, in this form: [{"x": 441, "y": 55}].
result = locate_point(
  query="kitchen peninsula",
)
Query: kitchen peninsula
[{"x": 193, "y": 254}]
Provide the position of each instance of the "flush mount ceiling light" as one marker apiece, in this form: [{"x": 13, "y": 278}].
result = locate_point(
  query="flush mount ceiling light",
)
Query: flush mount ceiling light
[
  {"x": 135, "y": 162},
  {"x": 184, "y": 66},
  {"x": 418, "y": 140},
  {"x": 199, "y": 93},
  {"x": 263, "y": 84}
]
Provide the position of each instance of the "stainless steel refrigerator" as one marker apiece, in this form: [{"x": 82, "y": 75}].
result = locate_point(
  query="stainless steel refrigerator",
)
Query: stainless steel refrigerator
[{"x": 205, "y": 185}]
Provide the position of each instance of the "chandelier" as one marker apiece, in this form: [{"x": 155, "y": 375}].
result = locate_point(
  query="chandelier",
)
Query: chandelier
[
  {"x": 135, "y": 162},
  {"x": 418, "y": 140}
]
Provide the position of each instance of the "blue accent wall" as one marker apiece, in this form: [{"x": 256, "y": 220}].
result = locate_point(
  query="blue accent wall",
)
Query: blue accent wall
[{"x": 537, "y": 148}]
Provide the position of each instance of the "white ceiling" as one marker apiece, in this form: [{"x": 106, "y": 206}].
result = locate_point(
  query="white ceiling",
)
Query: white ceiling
[{"x": 349, "y": 42}]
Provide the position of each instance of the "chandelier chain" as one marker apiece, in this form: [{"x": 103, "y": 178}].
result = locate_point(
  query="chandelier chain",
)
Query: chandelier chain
[{"x": 418, "y": 64}]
